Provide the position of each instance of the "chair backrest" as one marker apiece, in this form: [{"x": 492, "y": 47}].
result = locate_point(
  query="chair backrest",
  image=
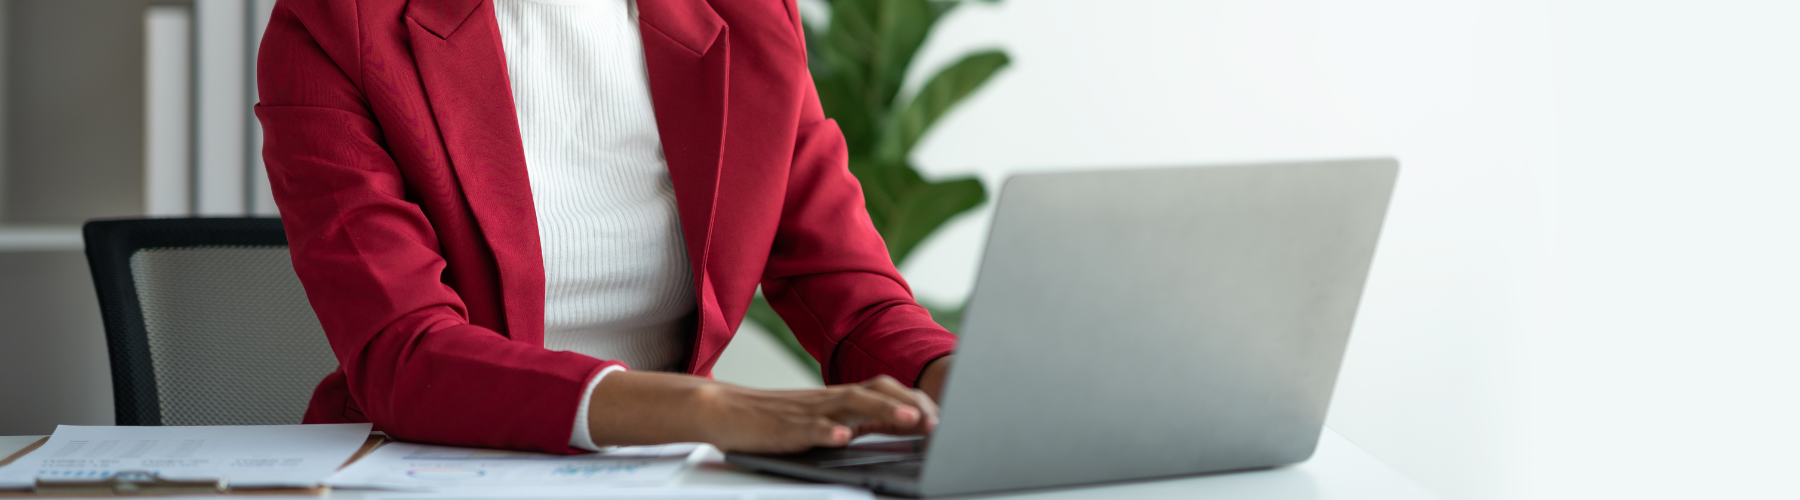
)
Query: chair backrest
[{"x": 206, "y": 322}]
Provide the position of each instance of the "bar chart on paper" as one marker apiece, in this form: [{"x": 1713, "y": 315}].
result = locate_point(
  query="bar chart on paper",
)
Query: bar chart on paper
[
  {"x": 413, "y": 466},
  {"x": 759, "y": 492}
]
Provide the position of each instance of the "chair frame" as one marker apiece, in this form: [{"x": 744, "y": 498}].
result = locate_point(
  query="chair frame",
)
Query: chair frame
[{"x": 110, "y": 245}]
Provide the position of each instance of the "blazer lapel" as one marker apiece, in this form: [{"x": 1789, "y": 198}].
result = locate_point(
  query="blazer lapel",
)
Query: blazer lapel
[
  {"x": 456, "y": 44},
  {"x": 687, "y": 51}
]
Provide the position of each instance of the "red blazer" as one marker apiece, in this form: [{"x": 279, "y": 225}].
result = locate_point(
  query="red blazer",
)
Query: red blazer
[{"x": 394, "y": 152}]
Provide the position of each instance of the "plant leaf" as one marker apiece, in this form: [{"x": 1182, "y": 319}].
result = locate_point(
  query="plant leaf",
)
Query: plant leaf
[
  {"x": 815, "y": 62},
  {"x": 842, "y": 102},
  {"x": 846, "y": 90},
  {"x": 858, "y": 65},
  {"x": 925, "y": 208},
  {"x": 886, "y": 187},
  {"x": 949, "y": 317},
  {"x": 902, "y": 26},
  {"x": 939, "y": 8},
  {"x": 942, "y": 92}
]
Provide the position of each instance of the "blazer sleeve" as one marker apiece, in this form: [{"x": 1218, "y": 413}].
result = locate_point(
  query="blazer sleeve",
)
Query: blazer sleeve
[
  {"x": 369, "y": 260},
  {"x": 829, "y": 275}
]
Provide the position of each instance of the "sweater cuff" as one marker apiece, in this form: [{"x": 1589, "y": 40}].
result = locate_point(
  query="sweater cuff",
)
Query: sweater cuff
[{"x": 580, "y": 436}]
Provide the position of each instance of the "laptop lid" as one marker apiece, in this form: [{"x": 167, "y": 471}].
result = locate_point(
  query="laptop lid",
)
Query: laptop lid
[{"x": 1142, "y": 323}]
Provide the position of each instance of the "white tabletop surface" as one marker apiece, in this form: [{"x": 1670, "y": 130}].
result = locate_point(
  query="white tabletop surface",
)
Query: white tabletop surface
[{"x": 1338, "y": 471}]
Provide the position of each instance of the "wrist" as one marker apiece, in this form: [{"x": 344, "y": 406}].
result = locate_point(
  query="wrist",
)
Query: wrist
[
  {"x": 931, "y": 379},
  {"x": 632, "y": 407},
  {"x": 702, "y": 405}
]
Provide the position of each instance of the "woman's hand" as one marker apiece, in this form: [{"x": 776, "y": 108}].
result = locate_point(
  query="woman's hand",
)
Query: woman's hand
[{"x": 649, "y": 407}]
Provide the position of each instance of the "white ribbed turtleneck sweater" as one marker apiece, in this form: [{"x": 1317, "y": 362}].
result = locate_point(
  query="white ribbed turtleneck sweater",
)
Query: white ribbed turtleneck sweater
[{"x": 617, "y": 277}]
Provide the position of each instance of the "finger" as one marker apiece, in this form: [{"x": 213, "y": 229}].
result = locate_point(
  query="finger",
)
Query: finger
[
  {"x": 930, "y": 407},
  {"x": 906, "y": 395},
  {"x": 912, "y": 396},
  {"x": 923, "y": 427},
  {"x": 890, "y": 429},
  {"x": 829, "y": 433},
  {"x": 858, "y": 406}
]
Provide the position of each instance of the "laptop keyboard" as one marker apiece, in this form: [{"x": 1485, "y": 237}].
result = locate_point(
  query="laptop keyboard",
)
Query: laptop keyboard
[{"x": 908, "y": 469}]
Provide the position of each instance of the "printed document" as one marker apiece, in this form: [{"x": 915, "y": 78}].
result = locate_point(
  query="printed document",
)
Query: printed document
[
  {"x": 413, "y": 466},
  {"x": 245, "y": 456},
  {"x": 696, "y": 492}
]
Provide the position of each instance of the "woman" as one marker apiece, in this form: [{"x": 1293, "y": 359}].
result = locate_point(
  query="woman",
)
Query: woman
[{"x": 499, "y": 207}]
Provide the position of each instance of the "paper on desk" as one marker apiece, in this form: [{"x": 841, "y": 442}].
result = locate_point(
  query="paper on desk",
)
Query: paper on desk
[
  {"x": 251, "y": 456},
  {"x": 430, "y": 467},
  {"x": 750, "y": 492}
]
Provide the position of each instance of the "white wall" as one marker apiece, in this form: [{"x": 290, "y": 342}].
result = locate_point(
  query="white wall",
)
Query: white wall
[{"x": 1586, "y": 287}]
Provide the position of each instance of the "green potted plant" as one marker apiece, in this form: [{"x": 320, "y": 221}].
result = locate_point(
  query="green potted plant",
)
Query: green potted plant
[{"x": 858, "y": 64}]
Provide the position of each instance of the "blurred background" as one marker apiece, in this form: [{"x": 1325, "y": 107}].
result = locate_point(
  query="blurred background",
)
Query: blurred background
[
  {"x": 1586, "y": 286},
  {"x": 112, "y": 108}
]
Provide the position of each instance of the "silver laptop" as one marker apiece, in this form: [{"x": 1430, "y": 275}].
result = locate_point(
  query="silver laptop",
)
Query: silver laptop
[{"x": 1131, "y": 324}]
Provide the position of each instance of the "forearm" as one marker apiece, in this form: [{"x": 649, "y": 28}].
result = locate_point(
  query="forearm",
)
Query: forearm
[{"x": 631, "y": 408}]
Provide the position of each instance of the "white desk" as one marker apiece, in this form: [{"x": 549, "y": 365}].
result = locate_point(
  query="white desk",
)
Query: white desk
[{"x": 1338, "y": 471}]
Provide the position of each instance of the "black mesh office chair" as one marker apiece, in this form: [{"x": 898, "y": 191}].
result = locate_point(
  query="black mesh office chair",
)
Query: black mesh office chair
[{"x": 205, "y": 321}]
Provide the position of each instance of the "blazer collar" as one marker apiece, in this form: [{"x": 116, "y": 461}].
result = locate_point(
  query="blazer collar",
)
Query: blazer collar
[
  {"x": 691, "y": 23},
  {"x": 441, "y": 17}
]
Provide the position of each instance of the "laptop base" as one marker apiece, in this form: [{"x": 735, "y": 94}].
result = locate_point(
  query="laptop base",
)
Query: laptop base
[{"x": 890, "y": 467}]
